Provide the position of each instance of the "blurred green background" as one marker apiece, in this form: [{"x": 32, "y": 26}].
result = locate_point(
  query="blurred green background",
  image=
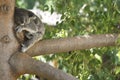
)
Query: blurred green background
[{"x": 82, "y": 17}]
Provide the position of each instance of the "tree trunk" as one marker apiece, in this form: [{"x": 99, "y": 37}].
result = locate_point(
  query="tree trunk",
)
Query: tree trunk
[{"x": 6, "y": 38}]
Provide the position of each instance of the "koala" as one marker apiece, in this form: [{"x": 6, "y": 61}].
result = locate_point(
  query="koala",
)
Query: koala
[{"x": 28, "y": 28}]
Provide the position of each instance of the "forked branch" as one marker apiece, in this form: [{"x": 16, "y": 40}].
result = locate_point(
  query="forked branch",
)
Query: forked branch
[{"x": 22, "y": 63}]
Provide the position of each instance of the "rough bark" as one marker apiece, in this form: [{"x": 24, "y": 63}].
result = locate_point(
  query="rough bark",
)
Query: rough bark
[
  {"x": 6, "y": 38},
  {"x": 22, "y": 63},
  {"x": 73, "y": 43}
]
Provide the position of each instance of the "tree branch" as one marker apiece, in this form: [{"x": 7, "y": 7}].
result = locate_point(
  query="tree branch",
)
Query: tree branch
[
  {"x": 23, "y": 63},
  {"x": 71, "y": 44}
]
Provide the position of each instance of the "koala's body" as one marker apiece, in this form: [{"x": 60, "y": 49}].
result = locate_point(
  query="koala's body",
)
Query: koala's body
[{"x": 28, "y": 28}]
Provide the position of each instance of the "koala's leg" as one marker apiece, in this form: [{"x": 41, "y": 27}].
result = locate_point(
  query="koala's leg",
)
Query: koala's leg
[{"x": 30, "y": 42}]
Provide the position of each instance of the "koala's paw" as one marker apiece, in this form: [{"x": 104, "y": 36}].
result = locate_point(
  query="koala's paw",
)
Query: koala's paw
[{"x": 24, "y": 48}]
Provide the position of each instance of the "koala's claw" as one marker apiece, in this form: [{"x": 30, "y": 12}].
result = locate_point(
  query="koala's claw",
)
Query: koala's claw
[{"x": 23, "y": 48}]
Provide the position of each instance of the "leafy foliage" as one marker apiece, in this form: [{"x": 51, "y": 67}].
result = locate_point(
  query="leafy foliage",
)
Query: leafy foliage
[{"x": 81, "y": 17}]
